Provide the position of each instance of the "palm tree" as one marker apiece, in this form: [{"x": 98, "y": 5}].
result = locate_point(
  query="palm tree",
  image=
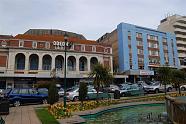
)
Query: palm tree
[
  {"x": 178, "y": 77},
  {"x": 102, "y": 77},
  {"x": 164, "y": 75}
]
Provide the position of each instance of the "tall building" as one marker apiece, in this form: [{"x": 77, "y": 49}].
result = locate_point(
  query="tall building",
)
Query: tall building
[
  {"x": 176, "y": 24},
  {"x": 138, "y": 51},
  {"x": 28, "y": 59}
]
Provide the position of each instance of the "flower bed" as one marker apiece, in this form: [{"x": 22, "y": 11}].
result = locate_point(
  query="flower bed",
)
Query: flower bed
[{"x": 58, "y": 111}]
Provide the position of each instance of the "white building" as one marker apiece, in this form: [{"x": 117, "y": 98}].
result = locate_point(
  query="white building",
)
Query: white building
[{"x": 176, "y": 24}]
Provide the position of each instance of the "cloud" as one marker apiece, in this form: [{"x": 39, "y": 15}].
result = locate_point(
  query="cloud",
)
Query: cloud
[{"x": 92, "y": 18}]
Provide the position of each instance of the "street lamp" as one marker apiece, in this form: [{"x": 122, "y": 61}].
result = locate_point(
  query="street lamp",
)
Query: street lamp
[{"x": 65, "y": 71}]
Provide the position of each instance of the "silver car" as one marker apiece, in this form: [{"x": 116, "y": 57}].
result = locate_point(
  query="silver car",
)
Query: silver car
[{"x": 156, "y": 87}]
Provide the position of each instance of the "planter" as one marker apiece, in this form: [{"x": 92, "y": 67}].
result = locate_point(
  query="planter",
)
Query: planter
[{"x": 4, "y": 107}]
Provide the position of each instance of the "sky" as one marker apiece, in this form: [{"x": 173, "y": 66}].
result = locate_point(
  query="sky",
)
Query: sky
[{"x": 92, "y": 18}]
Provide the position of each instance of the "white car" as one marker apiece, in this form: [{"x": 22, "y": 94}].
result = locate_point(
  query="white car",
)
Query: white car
[
  {"x": 73, "y": 94},
  {"x": 61, "y": 92},
  {"x": 112, "y": 88},
  {"x": 157, "y": 87},
  {"x": 183, "y": 87}
]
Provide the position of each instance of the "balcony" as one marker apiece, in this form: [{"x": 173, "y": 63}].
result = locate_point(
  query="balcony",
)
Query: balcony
[{"x": 180, "y": 24}]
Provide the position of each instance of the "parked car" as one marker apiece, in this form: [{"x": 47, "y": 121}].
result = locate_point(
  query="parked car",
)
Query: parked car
[
  {"x": 61, "y": 92},
  {"x": 183, "y": 87},
  {"x": 111, "y": 88},
  {"x": 73, "y": 94},
  {"x": 42, "y": 91},
  {"x": 156, "y": 87},
  {"x": 20, "y": 96},
  {"x": 131, "y": 90}
]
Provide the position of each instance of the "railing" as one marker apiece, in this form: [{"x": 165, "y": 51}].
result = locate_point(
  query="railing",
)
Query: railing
[{"x": 176, "y": 110}]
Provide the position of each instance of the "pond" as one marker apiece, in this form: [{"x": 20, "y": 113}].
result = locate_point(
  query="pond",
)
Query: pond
[{"x": 138, "y": 114}]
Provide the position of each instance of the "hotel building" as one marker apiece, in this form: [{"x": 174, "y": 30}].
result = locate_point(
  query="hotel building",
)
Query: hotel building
[
  {"x": 138, "y": 51},
  {"x": 27, "y": 59},
  {"x": 176, "y": 24}
]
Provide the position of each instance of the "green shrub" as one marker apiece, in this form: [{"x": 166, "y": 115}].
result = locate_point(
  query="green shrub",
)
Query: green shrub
[
  {"x": 82, "y": 92},
  {"x": 52, "y": 94}
]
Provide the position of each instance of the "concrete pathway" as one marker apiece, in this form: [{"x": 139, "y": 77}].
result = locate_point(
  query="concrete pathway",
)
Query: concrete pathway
[{"x": 22, "y": 115}]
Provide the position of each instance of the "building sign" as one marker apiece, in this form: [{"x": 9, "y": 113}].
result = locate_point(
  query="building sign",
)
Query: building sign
[
  {"x": 146, "y": 72},
  {"x": 3, "y": 43},
  {"x": 62, "y": 43}
]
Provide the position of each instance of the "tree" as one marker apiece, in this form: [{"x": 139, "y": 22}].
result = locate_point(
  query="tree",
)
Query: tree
[
  {"x": 83, "y": 89},
  {"x": 102, "y": 77},
  {"x": 53, "y": 92},
  {"x": 164, "y": 75},
  {"x": 178, "y": 77}
]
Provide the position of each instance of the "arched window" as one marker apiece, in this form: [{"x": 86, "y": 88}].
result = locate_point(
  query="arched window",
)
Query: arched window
[
  {"x": 59, "y": 60},
  {"x": 93, "y": 61},
  {"x": 33, "y": 62},
  {"x": 71, "y": 63},
  {"x": 20, "y": 61},
  {"x": 83, "y": 64},
  {"x": 47, "y": 61}
]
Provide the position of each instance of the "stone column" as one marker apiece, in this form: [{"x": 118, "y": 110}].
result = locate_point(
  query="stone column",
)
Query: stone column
[
  {"x": 26, "y": 62},
  {"x": 77, "y": 64},
  {"x": 53, "y": 62},
  {"x": 88, "y": 63},
  {"x": 40, "y": 62}
]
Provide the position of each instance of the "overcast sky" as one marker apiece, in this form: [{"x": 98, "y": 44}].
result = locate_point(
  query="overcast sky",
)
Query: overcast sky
[{"x": 92, "y": 18}]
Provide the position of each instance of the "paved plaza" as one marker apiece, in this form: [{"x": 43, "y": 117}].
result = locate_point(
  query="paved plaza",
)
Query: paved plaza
[{"x": 22, "y": 115}]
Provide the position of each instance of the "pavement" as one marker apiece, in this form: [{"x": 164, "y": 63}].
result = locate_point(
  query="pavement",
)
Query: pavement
[{"x": 22, "y": 115}]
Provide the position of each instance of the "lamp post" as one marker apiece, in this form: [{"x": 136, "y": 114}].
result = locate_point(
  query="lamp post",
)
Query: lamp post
[{"x": 65, "y": 71}]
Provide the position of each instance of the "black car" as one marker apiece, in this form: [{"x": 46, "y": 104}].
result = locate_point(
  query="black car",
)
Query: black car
[{"x": 20, "y": 96}]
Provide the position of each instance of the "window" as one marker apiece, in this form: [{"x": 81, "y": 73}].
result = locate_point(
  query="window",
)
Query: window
[
  {"x": 164, "y": 40},
  {"x": 156, "y": 38},
  {"x": 106, "y": 50},
  {"x": 23, "y": 91},
  {"x": 47, "y": 45},
  {"x": 129, "y": 33},
  {"x": 140, "y": 60},
  {"x": 165, "y": 47},
  {"x": 34, "y": 44},
  {"x": 140, "y": 51},
  {"x": 153, "y": 61},
  {"x": 93, "y": 48},
  {"x": 32, "y": 91},
  {"x": 21, "y": 43},
  {"x": 130, "y": 51},
  {"x": 82, "y": 47},
  {"x": 16, "y": 91},
  {"x": 129, "y": 42},
  {"x": 139, "y": 35},
  {"x": 152, "y": 37},
  {"x": 140, "y": 43},
  {"x": 153, "y": 53},
  {"x": 153, "y": 45}
]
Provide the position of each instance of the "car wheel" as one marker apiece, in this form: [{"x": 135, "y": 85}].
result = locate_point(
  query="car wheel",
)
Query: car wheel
[
  {"x": 156, "y": 90},
  {"x": 169, "y": 89},
  {"x": 44, "y": 101},
  {"x": 75, "y": 98},
  {"x": 17, "y": 103},
  {"x": 183, "y": 89}
]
